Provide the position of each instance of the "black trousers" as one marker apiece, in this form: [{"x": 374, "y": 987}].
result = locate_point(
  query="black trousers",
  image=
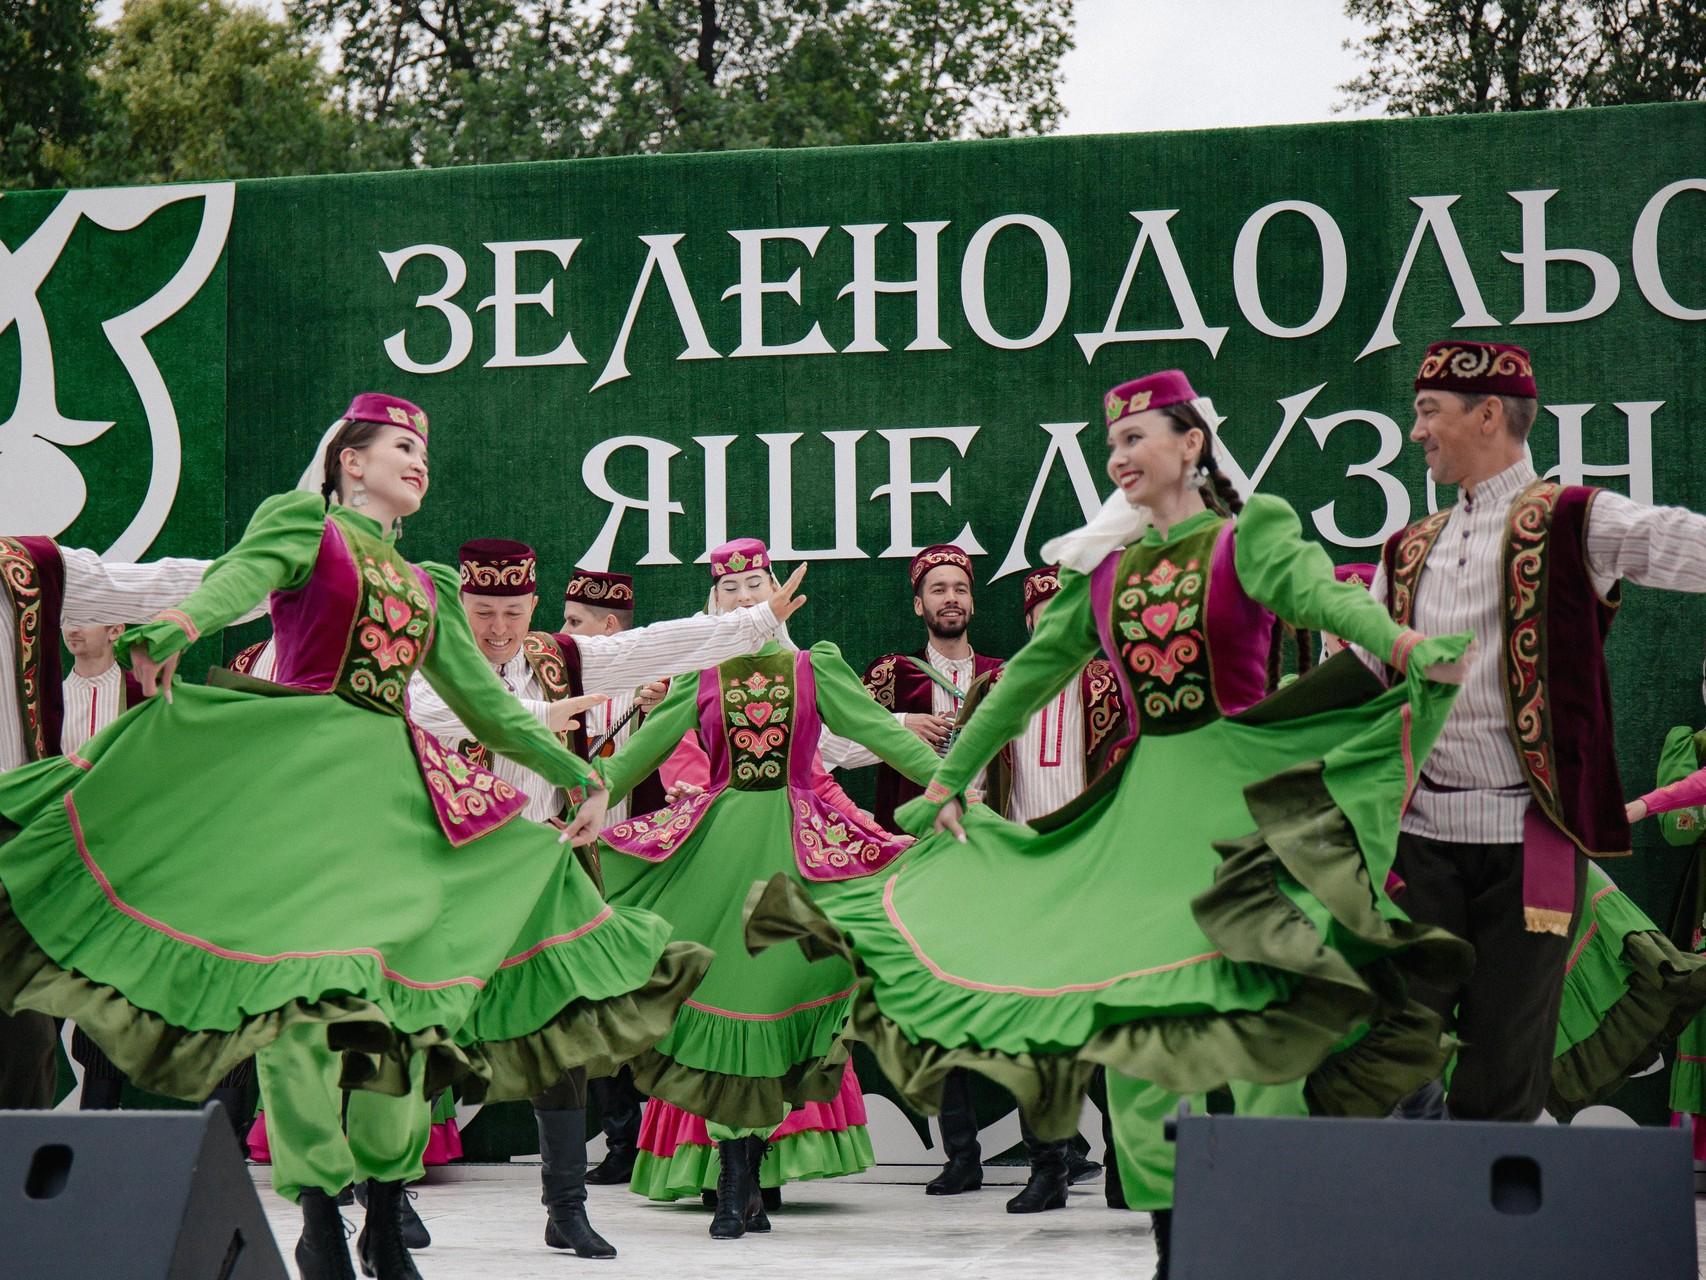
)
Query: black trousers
[
  {"x": 29, "y": 1065},
  {"x": 1506, "y": 1012},
  {"x": 568, "y": 1094}
]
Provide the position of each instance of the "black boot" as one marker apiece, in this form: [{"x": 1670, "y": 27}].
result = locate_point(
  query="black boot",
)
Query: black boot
[
  {"x": 1079, "y": 1166},
  {"x": 562, "y": 1151},
  {"x": 1163, "y": 1224},
  {"x": 323, "y": 1251},
  {"x": 1046, "y": 1188},
  {"x": 380, "y": 1244},
  {"x": 619, "y": 1105},
  {"x": 413, "y": 1231},
  {"x": 964, "y": 1169},
  {"x": 757, "y": 1220},
  {"x": 734, "y": 1189},
  {"x": 230, "y": 1097}
]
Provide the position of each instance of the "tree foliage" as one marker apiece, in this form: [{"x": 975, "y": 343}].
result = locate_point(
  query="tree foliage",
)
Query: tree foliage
[
  {"x": 1441, "y": 57},
  {"x": 47, "y": 97}
]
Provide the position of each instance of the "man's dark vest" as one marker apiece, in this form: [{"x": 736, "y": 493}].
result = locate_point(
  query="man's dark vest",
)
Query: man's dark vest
[{"x": 33, "y": 576}]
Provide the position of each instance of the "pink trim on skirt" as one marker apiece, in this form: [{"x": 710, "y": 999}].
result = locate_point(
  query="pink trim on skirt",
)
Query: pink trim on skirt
[{"x": 663, "y": 1127}]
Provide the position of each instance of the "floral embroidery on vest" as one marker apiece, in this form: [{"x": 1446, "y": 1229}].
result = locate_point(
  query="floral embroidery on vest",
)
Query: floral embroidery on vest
[
  {"x": 465, "y": 791},
  {"x": 1530, "y": 525},
  {"x": 825, "y": 839},
  {"x": 391, "y": 632},
  {"x": 19, "y": 576},
  {"x": 1101, "y": 704},
  {"x": 546, "y": 659},
  {"x": 1158, "y": 624},
  {"x": 1407, "y": 561},
  {"x": 758, "y": 704}
]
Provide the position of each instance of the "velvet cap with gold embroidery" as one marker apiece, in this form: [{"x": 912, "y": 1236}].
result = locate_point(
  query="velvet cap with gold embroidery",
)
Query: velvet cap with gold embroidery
[
  {"x": 1477, "y": 369},
  {"x": 739, "y": 556},
  {"x": 498, "y": 567},
  {"x": 600, "y": 590},
  {"x": 1040, "y": 585},
  {"x": 376, "y": 406},
  {"x": 934, "y": 558},
  {"x": 1152, "y": 391}
]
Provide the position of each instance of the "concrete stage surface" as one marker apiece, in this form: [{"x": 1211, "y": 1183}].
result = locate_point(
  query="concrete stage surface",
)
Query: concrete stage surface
[{"x": 487, "y": 1224}]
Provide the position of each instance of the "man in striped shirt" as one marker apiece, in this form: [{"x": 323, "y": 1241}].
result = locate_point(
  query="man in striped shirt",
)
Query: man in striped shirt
[{"x": 1521, "y": 786}]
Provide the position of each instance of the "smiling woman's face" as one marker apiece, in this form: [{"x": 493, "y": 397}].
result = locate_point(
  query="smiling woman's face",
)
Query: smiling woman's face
[
  {"x": 1147, "y": 458},
  {"x": 393, "y": 467},
  {"x": 740, "y": 590}
]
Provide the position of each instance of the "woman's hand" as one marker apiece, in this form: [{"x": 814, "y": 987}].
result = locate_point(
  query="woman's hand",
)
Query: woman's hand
[
  {"x": 152, "y": 675},
  {"x": 682, "y": 791},
  {"x": 1451, "y": 672},
  {"x": 1635, "y": 810},
  {"x": 784, "y": 604},
  {"x": 588, "y": 820},
  {"x": 948, "y": 819}
]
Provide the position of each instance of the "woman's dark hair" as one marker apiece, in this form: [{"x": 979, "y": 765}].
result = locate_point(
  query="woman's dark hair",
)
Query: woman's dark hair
[
  {"x": 1302, "y": 640},
  {"x": 352, "y": 435},
  {"x": 1219, "y": 494}
]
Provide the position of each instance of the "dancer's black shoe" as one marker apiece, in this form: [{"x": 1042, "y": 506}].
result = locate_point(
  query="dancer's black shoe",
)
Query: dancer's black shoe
[
  {"x": 734, "y": 1189},
  {"x": 323, "y": 1251},
  {"x": 757, "y": 1220},
  {"x": 1046, "y": 1188},
  {"x": 961, "y": 1173},
  {"x": 409, "y": 1225},
  {"x": 1080, "y": 1168},
  {"x": 562, "y": 1175},
  {"x": 1163, "y": 1223},
  {"x": 616, "y": 1169},
  {"x": 380, "y": 1245}
]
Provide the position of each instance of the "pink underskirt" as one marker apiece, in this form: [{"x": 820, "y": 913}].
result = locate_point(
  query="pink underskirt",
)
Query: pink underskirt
[
  {"x": 444, "y": 1142},
  {"x": 663, "y": 1127},
  {"x": 1699, "y": 1133}
]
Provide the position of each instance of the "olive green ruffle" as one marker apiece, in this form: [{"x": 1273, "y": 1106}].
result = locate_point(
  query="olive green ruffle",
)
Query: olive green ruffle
[
  {"x": 182, "y": 1063},
  {"x": 741, "y": 1102},
  {"x": 1666, "y": 989},
  {"x": 1349, "y": 1028}
]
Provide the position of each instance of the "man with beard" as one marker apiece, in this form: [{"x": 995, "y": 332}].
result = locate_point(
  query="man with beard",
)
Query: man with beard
[{"x": 925, "y": 690}]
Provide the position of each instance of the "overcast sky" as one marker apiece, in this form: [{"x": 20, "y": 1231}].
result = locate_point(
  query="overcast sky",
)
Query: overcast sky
[{"x": 1143, "y": 65}]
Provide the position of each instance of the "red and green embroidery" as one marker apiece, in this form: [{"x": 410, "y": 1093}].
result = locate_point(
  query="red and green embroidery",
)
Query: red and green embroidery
[
  {"x": 392, "y": 630},
  {"x": 1530, "y": 525},
  {"x": 1159, "y": 595},
  {"x": 758, "y": 709}
]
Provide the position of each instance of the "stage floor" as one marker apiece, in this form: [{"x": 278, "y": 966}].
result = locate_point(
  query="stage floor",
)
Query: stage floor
[{"x": 486, "y": 1222}]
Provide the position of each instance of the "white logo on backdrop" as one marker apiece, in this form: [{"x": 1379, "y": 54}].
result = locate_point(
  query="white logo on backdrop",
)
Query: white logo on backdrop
[{"x": 42, "y": 490}]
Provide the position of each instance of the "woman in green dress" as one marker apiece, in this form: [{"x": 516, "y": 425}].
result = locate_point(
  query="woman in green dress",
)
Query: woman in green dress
[
  {"x": 1218, "y": 899},
  {"x": 761, "y": 1034},
  {"x": 295, "y": 870}
]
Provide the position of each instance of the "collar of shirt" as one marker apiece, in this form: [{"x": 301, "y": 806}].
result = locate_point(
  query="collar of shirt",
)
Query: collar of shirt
[
  {"x": 108, "y": 676},
  {"x": 512, "y": 672},
  {"x": 953, "y": 667},
  {"x": 1496, "y": 489}
]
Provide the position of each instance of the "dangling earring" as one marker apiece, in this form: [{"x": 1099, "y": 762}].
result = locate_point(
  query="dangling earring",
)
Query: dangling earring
[
  {"x": 1202, "y": 479},
  {"x": 396, "y": 528},
  {"x": 358, "y": 495}
]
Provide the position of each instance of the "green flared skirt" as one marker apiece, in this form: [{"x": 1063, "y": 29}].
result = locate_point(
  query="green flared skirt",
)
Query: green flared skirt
[
  {"x": 212, "y": 870},
  {"x": 761, "y": 1033},
  {"x": 1213, "y": 909},
  {"x": 1627, "y": 991}
]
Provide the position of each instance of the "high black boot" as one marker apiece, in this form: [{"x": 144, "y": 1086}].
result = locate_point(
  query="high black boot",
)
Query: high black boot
[
  {"x": 1079, "y": 1166},
  {"x": 964, "y": 1169},
  {"x": 757, "y": 1220},
  {"x": 409, "y": 1225},
  {"x": 323, "y": 1251},
  {"x": 1163, "y": 1223},
  {"x": 230, "y": 1097},
  {"x": 1046, "y": 1188},
  {"x": 735, "y": 1184},
  {"x": 619, "y": 1105},
  {"x": 380, "y": 1244},
  {"x": 562, "y": 1152}
]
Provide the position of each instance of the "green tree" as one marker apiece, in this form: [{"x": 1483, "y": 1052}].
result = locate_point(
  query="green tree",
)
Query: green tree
[
  {"x": 1442, "y": 57},
  {"x": 47, "y": 98},
  {"x": 458, "y": 81},
  {"x": 200, "y": 89}
]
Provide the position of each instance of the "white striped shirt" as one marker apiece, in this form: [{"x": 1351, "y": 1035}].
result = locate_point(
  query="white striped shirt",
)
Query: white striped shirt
[
  {"x": 1478, "y": 794},
  {"x": 91, "y": 704},
  {"x": 613, "y": 666},
  {"x": 843, "y": 753},
  {"x": 1048, "y": 758},
  {"x": 96, "y": 593}
]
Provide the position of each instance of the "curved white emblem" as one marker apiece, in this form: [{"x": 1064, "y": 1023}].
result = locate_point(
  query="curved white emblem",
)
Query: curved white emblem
[{"x": 41, "y": 489}]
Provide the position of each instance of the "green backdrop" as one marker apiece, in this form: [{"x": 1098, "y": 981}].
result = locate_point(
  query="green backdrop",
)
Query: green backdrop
[{"x": 856, "y": 420}]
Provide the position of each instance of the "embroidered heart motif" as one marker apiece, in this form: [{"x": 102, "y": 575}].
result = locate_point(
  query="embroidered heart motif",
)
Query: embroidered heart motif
[
  {"x": 1159, "y": 618},
  {"x": 392, "y": 653},
  {"x": 397, "y": 613},
  {"x": 759, "y": 712}
]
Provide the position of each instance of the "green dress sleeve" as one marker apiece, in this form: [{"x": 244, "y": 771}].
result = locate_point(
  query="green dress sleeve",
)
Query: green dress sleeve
[
  {"x": 848, "y": 710},
  {"x": 649, "y": 746},
  {"x": 458, "y": 674},
  {"x": 1681, "y": 756},
  {"x": 276, "y": 553},
  {"x": 1065, "y": 639},
  {"x": 1293, "y": 577}
]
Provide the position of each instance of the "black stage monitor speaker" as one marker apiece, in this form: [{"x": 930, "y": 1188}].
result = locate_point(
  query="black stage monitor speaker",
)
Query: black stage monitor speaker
[
  {"x": 129, "y": 1195},
  {"x": 1319, "y": 1199}
]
